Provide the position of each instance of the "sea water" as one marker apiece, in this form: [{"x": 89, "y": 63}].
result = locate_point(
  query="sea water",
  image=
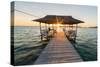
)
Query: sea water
[
  {"x": 87, "y": 43},
  {"x": 28, "y": 37}
]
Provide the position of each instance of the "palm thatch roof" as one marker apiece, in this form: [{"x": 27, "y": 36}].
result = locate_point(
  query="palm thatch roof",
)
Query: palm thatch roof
[{"x": 54, "y": 19}]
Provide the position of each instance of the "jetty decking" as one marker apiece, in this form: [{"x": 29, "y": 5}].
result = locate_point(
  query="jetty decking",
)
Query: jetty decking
[{"x": 58, "y": 50}]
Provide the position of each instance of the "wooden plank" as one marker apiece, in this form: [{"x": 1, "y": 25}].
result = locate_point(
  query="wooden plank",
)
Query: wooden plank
[{"x": 58, "y": 50}]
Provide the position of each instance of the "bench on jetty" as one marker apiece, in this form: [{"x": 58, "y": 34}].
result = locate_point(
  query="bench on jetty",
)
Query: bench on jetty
[{"x": 59, "y": 48}]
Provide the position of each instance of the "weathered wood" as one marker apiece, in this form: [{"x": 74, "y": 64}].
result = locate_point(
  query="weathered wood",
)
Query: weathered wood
[{"x": 58, "y": 50}]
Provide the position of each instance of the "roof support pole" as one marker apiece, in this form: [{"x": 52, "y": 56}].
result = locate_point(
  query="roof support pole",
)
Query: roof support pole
[
  {"x": 53, "y": 30},
  {"x": 46, "y": 26},
  {"x": 41, "y": 32},
  {"x": 76, "y": 32},
  {"x": 68, "y": 27},
  {"x": 46, "y": 31},
  {"x": 72, "y": 26}
]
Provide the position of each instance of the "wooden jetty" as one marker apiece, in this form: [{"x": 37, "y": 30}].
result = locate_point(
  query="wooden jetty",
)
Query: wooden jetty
[{"x": 58, "y": 50}]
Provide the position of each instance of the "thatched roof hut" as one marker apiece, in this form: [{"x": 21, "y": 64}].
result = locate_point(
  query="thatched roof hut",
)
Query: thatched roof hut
[
  {"x": 54, "y": 19},
  {"x": 57, "y": 19}
]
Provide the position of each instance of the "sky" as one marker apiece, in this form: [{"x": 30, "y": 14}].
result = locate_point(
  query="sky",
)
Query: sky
[{"x": 88, "y": 14}]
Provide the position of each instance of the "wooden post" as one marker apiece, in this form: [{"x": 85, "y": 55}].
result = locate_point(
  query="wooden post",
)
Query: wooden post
[
  {"x": 41, "y": 32},
  {"x": 75, "y": 33},
  {"x": 46, "y": 26},
  {"x": 53, "y": 30},
  {"x": 53, "y": 26},
  {"x": 72, "y": 26},
  {"x": 46, "y": 31},
  {"x": 68, "y": 27}
]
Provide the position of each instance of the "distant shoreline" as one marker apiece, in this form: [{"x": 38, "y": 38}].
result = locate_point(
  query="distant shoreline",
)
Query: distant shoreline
[{"x": 44, "y": 26}]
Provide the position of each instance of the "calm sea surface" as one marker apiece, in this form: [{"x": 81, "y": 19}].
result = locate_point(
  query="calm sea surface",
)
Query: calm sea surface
[
  {"x": 87, "y": 43},
  {"x": 26, "y": 38}
]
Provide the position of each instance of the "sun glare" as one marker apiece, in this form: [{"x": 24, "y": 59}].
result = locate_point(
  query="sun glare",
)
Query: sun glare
[{"x": 58, "y": 27}]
